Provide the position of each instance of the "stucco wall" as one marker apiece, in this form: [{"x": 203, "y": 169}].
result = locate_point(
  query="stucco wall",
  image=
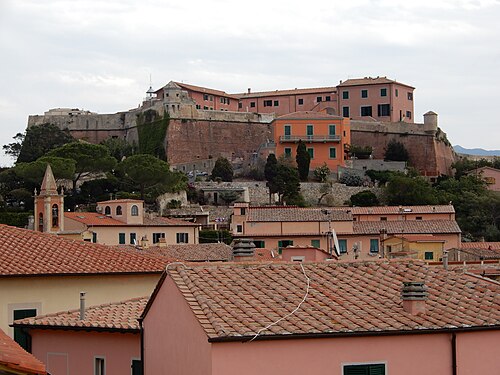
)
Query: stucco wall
[{"x": 73, "y": 353}]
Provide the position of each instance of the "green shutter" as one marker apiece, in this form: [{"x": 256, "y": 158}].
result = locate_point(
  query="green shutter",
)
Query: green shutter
[
  {"x": 21, "y": 337},
  {"x": 378, "y": 369},
  {"x": 315, "y": 243},
  {"x": 121, "y": 238}
]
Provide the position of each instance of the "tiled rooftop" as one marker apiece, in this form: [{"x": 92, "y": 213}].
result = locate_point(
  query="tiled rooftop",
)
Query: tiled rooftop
[
  {"x": 387, "y": 210},
  {"x": 259, "y": 94},
  {"x": 290, "y": 213},
  {"x": 308, "y": 115},
  {"x": 406, "y": 227},
  {"x": 93, "y": 218},
  {"x": 369, "y": 81},
  {"x": 480, "y": 245},
  {"x": 121, "y": 201},
  {"x": 167, "y": 221},
  {"x": 111, "y": 316},
  {"x": 205, "y": 90},
  {"x": 16, "y": 359},
  {"x": 25, "y": 252},
  {"x": 236, "y": 301},
  {"x": 194, "y": 252}
]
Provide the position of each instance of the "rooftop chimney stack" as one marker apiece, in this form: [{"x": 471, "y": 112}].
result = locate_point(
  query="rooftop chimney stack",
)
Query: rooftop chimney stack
[
  {"x": 414, "y": 295},
  {"x": 243, "y": 250},
  {"x": 249, "y": 90},
  {"x": 82, "y": 305},
  {"x": 445, "y": 259}
]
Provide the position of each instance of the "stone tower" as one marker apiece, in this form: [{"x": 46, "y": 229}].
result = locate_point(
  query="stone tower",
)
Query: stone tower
[{"x": 49, "y": 205}]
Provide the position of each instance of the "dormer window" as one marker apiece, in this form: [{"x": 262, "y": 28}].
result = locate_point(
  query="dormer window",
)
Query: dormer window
[
  {"x": 134, "y": 211},
  {"x": 107, "y": 210},
  {"x": 118, "y": 210},
  {"x": 55, "y": 215}
]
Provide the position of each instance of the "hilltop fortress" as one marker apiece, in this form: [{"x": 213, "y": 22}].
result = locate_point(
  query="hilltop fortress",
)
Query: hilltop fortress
[{"x": 206, "y": 123}]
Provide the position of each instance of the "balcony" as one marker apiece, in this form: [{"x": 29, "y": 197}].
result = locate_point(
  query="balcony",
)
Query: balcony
[{"x": 309, "y": 138}]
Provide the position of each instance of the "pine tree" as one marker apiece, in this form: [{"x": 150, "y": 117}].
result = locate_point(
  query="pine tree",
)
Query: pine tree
[{"x": 303, "y": 160}]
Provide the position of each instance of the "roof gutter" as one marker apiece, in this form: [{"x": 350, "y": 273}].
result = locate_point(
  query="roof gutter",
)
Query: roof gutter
[
  {"x": 352, "y": 334},
  {"x": 69, "y": 328}
]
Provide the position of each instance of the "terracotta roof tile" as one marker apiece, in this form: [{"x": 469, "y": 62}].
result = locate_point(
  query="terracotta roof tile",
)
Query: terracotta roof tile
[
  {"x": 121, "y": 201},
  {"x": 205, "y": 90},
  {"x": 93, "y": 218},
  {"x": 236, "y": 301},
  {"x": 385, "y": 210},
  {"x": 370, "y": 81},
  {"x": 25, "y": 252},
  {"x": 194, "y": 252},
  {"x": 406, "y": 227},
  {"x": 259, "y": 94},
  {"x": 291, "y": 213},
  {"x": 114, "y": 316},
  {"x": 167, "y": 221},
  {"x": 15, "y": 358},
  {"x": 309, "y": 115},
  {"x": 480, "y": 245}
]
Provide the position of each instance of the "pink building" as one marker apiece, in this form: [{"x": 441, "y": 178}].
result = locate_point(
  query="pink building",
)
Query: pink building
[
  {"x": 385, "y": 317},
  {"x": 380, "y": 98},
  {"x": 403, "y": 213},
  {"x": 490, "y": 175},
  {"x": 105, "y": 339},
  {"x": 205, "y": 98}
]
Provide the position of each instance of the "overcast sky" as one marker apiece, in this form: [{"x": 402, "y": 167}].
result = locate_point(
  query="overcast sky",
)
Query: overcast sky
[{"x": 98, "y": 55}]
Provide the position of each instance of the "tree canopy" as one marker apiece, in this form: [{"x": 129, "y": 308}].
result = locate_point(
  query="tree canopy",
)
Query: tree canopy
[
  {"x": 396, "y": 151},
  {"x": 33, "y": 172},
  {"x": 303, "y": 160},
  {"x": 403, "y": 190},
  {"x": 118, "y": 148},
  {"x": 223, "y": 170}
]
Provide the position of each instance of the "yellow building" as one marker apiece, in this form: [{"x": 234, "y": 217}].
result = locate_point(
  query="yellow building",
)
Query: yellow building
[{"x": 424, "y": 247}]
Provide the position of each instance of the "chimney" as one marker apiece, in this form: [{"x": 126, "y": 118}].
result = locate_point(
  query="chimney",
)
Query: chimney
[
  {"x": 249, "y": 90},
  {"x": 445, "y": 259},
  {"x": 31, "y": 222},
  {"x": 82, "y": 305},
  {"x": 162, "y": 242},
  {"x": 414, "y": 295},
  {"x": 243, "y": 250},
  {"x": 144, "y": 242}
]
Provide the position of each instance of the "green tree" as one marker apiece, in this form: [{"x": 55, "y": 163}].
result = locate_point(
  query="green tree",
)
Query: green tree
[
  {"x": 89, "y": 158},
  {"x": 364, "y": 198},
  {"x": 287, "y": 184},
  {"x": 33, "y": 172},
  {"x": 350, "y": 179},
  {"x": 322, "y": 173},
  {"x": 303, "y": 160},
  {"x": 118, "y": 148},
  {"x": 223, "y": 170},
  {"x": 402, "y": 190},
  {"x": 396, "y": 151},
  {"x": 229, "y": 196},
  {"x": 270, "y": 172},
  {"x": 13, "y": 149},
  {"x": 151, "y": 174},
  {"x": 41, "y": 139}
]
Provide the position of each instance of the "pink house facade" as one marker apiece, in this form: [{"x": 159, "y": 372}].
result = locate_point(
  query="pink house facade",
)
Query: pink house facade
[{"x": 324, "y": 318}]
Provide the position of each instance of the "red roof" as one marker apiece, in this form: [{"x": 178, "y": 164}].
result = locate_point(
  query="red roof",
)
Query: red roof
[
  {"x": 370, "y": 81},
  {"x": 396, "y": 210},
  {"x": 406, "y": 227},
  {"x": 194, "y": 252},
  {"x": 291, "y": 213},
  {"x": 121, "y": 201},
  {"x": 121, "y": 316},
  {"x": 314, "y": 90},
  {"x": 205, "y": 90},
  {"x": 16, "y": 359},
  {"x": 239, "y": 301},
  {"x": 25, "y": 252},
  {"x": 93, "y": 219},
  {"x": 480, "y": 245}
]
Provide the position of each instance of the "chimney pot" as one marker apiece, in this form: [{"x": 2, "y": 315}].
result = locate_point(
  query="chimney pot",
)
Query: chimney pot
[
  {"x": 82, "y": 305},
  {"x": 414, "y": 295},
  {"x": 243, "y": 250},
  {"x": 249, "y": 90}
]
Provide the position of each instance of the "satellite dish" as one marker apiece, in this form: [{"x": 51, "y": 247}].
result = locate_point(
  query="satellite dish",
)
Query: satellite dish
[{"x": 336, "y": 241}]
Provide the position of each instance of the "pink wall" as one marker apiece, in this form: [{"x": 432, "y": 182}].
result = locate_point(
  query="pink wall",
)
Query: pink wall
[
  {"x": 404, "y": 216},
  {"x": 174, "y": 342},
  {"x": 407, "y": 354},
  {"x": 70, "y": 352},
  {"x": 310, "y": 255}
]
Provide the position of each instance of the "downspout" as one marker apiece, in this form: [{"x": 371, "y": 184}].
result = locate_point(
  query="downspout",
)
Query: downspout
[
  {"x": 142, "y": 343},
  {"x": 454, "y": 353}
]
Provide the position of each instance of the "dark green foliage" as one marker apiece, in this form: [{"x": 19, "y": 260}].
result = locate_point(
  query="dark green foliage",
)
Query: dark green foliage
[
  {"x": 215, "y": 236},
  {"x": 270, "y": 173},
  {"x": 39, "y": 140},
  {"x": 350, "y": 179},
  {"x": 402, "y": 190},
  {"x": 152, "y": 130},
  {"x": 396, "y": 151},
  {"x": 303, "y": 160},
  {"x": 118, "y": 148},
  {"x": 174, "y": 203},
  {"x": 13, "y": 149},
  {"x": 222, "y": 170},
  {"x": 364, "y": 198},
  {"x": 381, "y": 176},
  {"x": 99, "y": 190},
  {"x": 287, "y": 184},
  {"x": 33, "y": 172},
  {"x": 15, "y": 219},
  {"x": 229, "y": 196},
  {"x": 360, "y": 152},
  {"x": 322, "y": 173}
]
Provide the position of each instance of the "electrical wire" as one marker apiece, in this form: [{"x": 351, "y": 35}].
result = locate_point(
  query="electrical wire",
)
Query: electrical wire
[{"x": 291, "y": 313}]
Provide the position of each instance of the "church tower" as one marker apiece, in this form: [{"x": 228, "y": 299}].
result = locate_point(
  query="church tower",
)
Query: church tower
[{"x": 49, "y": 205}]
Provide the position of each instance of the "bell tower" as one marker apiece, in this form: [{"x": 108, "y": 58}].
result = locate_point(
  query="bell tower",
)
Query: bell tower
[{"x": 49, "y": 205}]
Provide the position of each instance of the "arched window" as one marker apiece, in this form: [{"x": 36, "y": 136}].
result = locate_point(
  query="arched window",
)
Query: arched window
[
  {"x": 118, "y": 210},
  {"x": 40, "y": 222},
  {"x": 55, "y": 215},
  {"x": 107, "y": 210},
  {"x": 134, "y": 211}
]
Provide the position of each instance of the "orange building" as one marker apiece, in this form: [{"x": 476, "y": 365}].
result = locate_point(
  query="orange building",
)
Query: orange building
[
  {"x": 380, "y": 98},
  {"x": 325, "y": 137}
]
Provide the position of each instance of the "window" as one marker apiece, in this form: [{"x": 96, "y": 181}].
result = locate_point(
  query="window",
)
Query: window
[
  {"x": 310, "y": 131},
  {"x": 182, "y": 237},
  {"x": 134, "y": 211},
  {"x": 205, "y": 96},
  {"x": 118, "y": 210},
  {"x": 301, "y": 101},
  {"x": 205, "y": 107},
  {"x": 383, "y": 218},
  {"x": 268, "y": 103},
  {"x": 327, "y": 98},
  {"x": 243, "y": 211},
  {"x": 222, "y": 100},
  {"x": 94, "y": 237},
  {"x": 55, "y": 215},
  {"x": 383, "y": 92},
  {"x": 198, "y": 106},
  {"x": 319, "y": 99},
  {"x": 276, "y": 103},
  {"x": 133, "y": 239},
  {"x": 288, "y": 131},
  {"x": 136, "y": 367},
  {"x": 418, "y": 218},
  {"x": 366, "y": 111},
  {"x": 20, "y": 336},
  {"x": 228, "y": 101},
  {"x": 331, "y": 131},
  {"x": 315, "y": 243},
  {"x": 121, "y": 238},
  {"x": 408, "y": 114},
  {"x": 342, "y": 246},
  {"x": 429, "y": 255},
  {"x": 311, "y": 152},
  {"x": 288, "y": 152},
  {"x": 396, "y": 93},
  {"x": 252, "y": 104},
  {"x": 99, "y": 366},
  {"x": 240, "y": 105},
  {"x": 259, "y": 244},
  {"x": 333, "y": 153},
  {"x": 157, "y": 236},
  {"x": 374, "y": 245},
  {"x": 298, "y": 258},
  {"x": 375, "y": 369},
  {"x": 410, "y": 96},
  {"x": 364, "y": 93},
  {"x": 384, "y": 110},
  {"x": 211, "y": 98},
  {"x": 345, "y": 111},
  {"x": 345, "y": 94},
  {"x": 284, "y": 243},
  {"x": 239, "y": 228}
]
